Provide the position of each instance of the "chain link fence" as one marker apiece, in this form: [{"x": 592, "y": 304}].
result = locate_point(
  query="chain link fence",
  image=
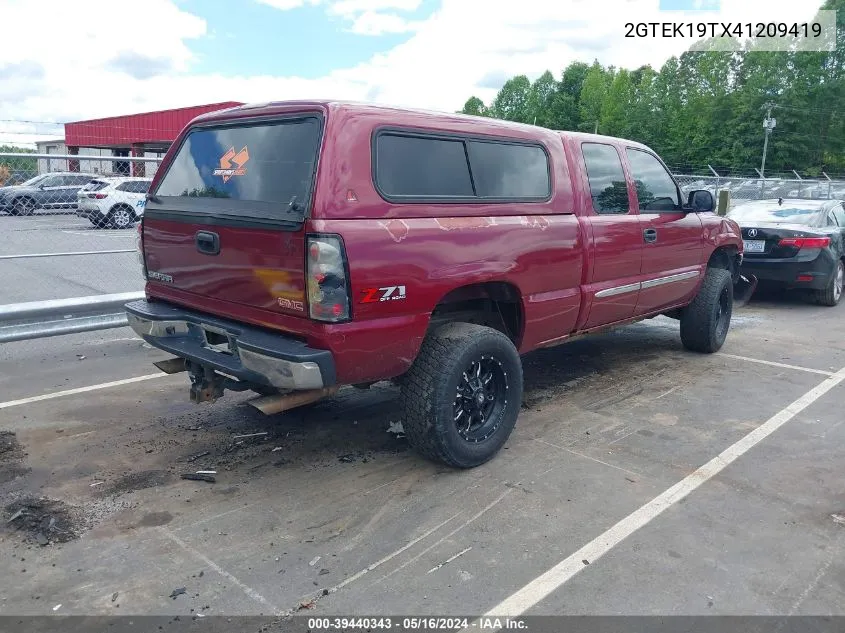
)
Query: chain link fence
[
  {"x": 67, "y": 224},
  {"x": 66, "y": 219},
  {"x": 746, "y": 189}
]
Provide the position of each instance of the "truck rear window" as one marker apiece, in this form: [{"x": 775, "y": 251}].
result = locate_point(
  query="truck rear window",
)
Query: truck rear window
[{"x": 257, "y": 163}]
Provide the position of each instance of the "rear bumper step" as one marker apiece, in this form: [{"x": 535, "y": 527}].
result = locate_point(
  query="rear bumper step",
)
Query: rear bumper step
[{"x": 250, "y": 354}]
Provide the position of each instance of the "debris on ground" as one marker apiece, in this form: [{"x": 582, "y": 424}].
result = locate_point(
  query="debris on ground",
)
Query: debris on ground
[
  {"x": 315, "y": 561},
  {"x": 114, "y": 596},
  {"x": 80, "y": 356},
  {"x": 193, "y": 458},
  {"x": 839, "y": 517},
  {"x": 346, "y": 459},
  {"x": 323, "y": 572},
  {"x": 307, "y": 605},
  {"x": 11, "y": 458},
  {"x": 57, "y": 607},
  {"x": 42, "y": 519},
  {"x": 178, "y": 592},
  {"x": 97, "y": 483},
  {"x": 206, "y": 472},
  {"x": 396, "y": 428},
  {"x": 278, "y": 448},
  {"x": 240, "y": 437},
  {"x": 199, "y": 477}
]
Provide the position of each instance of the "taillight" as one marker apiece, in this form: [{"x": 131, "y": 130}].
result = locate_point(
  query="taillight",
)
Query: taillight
[
  {"x": 98, "y": 196},
  {"x": 805, "y": 242},
  {"x": 139, "y": 246},
  {"x": 328, "y": 287}
]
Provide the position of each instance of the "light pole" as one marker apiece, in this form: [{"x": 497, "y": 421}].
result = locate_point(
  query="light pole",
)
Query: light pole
[{"x": 768, "y": 124}]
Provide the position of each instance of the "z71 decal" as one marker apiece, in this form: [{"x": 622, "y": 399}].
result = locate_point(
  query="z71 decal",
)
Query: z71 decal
[{"x": 388, "y": 293}]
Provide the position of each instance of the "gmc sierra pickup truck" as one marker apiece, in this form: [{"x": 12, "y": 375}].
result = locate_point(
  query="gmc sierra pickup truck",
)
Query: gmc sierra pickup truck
[{"x": 291, "y": 248}]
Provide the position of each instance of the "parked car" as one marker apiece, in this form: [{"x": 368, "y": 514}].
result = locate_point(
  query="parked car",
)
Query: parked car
[
  {"x": 115, "y": 202},
  {"x": 291, "y": 248},
  {"x": 47, "y": 191},
  {"x": 795, "y": 243}
]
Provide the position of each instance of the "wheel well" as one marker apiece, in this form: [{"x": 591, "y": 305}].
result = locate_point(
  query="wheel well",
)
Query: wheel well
[
  {"x": 726, "y": 258},
  {"x": 23, "y": 200},
  {"x": 496, "y": 304}
]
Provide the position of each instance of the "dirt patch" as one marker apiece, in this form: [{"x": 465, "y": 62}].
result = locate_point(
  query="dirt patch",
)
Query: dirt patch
[
  {"x": 155, "y": 519},
  {"x": 43, "y": 520},
  {"x": 131, "y": 482},
  {"x": 11, "y": 457}
]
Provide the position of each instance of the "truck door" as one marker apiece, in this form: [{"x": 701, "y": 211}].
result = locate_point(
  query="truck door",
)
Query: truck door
[
  {"x": 673, "y": 240},
  {"x": 615, "y": 248}
]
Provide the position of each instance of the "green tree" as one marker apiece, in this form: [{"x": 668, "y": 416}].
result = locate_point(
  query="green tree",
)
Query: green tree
[
  {"x": 512, "y": 101},
  {"x": 475, "y": 106},
  {"x": 593, "y": 94}
]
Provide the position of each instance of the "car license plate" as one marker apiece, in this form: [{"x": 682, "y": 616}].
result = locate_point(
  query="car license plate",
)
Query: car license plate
[{"x": 754, "y": 246}]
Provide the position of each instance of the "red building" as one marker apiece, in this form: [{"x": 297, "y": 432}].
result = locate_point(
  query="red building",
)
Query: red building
[{"x": 133, "y": 134}]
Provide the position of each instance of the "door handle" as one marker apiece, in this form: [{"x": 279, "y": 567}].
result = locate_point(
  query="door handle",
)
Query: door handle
[
  {"x": 650, "y": 235},
  {"x": 207, "y": 242}
]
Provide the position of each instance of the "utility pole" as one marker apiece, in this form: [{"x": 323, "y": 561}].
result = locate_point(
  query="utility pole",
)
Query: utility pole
[{"x": 768, "y": 124}]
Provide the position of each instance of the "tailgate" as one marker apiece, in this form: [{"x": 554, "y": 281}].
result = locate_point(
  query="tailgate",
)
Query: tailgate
[{"x": 226, "y": 219}]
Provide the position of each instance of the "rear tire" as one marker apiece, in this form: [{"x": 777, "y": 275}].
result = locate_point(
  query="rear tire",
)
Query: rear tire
[
  {"x": 462, "y": 395},
  {"x": 705, "y": 322},
  {"x": 831, "y": 295},
  {"x": 121, "y": 216}
]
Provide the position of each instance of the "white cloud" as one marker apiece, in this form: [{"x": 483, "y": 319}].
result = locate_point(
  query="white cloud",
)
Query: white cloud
[
  {"x": 347, "y": 7},
  {"x": 94, "y": 62},
  {"x": 373, "y": 23},
  {"x": 287, "y": 5}
]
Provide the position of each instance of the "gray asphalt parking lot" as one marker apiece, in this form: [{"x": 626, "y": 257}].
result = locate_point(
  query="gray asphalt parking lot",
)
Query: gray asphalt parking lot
[{"x": 641, "y": 479}]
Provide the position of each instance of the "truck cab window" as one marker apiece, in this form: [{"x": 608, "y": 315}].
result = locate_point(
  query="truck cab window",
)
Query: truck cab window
[
  {"x": 656, "y": 189},
  {"x": 607, "y": 180}
]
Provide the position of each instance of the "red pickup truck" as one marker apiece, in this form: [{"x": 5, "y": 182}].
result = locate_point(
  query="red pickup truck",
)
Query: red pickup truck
[{"x": 290, "y": 248}]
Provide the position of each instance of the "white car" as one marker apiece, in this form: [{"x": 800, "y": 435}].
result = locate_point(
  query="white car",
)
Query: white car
[{"x": 115, "y": 201}]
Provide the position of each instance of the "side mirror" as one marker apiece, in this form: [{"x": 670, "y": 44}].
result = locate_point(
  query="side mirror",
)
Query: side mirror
[{"x": 701, "y": 200}]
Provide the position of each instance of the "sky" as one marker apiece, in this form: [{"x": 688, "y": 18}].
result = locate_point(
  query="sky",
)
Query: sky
[{"x": 73, "y": 60}]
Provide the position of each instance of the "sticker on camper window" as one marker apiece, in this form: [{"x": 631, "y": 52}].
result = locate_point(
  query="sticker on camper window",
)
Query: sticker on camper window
[{"x": 232, "y": 164}]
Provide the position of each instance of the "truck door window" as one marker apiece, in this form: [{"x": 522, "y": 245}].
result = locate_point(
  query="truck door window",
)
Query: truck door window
[
  {"x": 607, "y": 180},
  {"x": 656, "y": 189}
]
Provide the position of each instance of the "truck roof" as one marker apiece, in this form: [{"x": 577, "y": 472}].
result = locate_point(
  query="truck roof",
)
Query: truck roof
[{"x": 488, "y": 124}]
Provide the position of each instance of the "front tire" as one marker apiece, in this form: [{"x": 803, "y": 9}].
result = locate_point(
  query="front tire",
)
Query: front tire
[
  {"x": 831, "y": 295},
  {"x": 462, "y": 395},
  {"x": 705, "y": 322},
  {"x": 23, "y": 206}
]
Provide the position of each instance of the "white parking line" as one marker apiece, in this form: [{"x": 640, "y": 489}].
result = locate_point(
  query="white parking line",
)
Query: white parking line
[
  {"x": 542, "y": 586},
  {"x": 252, "y": 593},
  {"x": 70, "y": 392},
  {"x": 781, "y": 365}
]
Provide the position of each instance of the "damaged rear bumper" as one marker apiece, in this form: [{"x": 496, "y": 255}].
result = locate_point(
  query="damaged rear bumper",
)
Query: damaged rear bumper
[{"x": 252, "y": 355}]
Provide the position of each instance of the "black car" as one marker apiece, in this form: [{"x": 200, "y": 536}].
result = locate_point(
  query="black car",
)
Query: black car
[{"x": 795, "y": 243}]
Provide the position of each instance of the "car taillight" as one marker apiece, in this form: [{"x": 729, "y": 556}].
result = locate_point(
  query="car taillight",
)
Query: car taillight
[
  {"x": 328, "y": 287},
  {"x": 805, "y": 242},
  {"x": 139, "y": 246},
  {"x": 98, "y": 196}
]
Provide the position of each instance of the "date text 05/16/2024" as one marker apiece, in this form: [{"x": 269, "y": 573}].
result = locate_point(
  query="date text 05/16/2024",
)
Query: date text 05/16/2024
[{"x": 429, "y": 623}]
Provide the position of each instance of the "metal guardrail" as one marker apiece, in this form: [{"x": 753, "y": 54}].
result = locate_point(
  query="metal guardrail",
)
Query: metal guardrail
[
  {"x": 40, "y": 319},
  {"x": 29, "y": 255}
]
